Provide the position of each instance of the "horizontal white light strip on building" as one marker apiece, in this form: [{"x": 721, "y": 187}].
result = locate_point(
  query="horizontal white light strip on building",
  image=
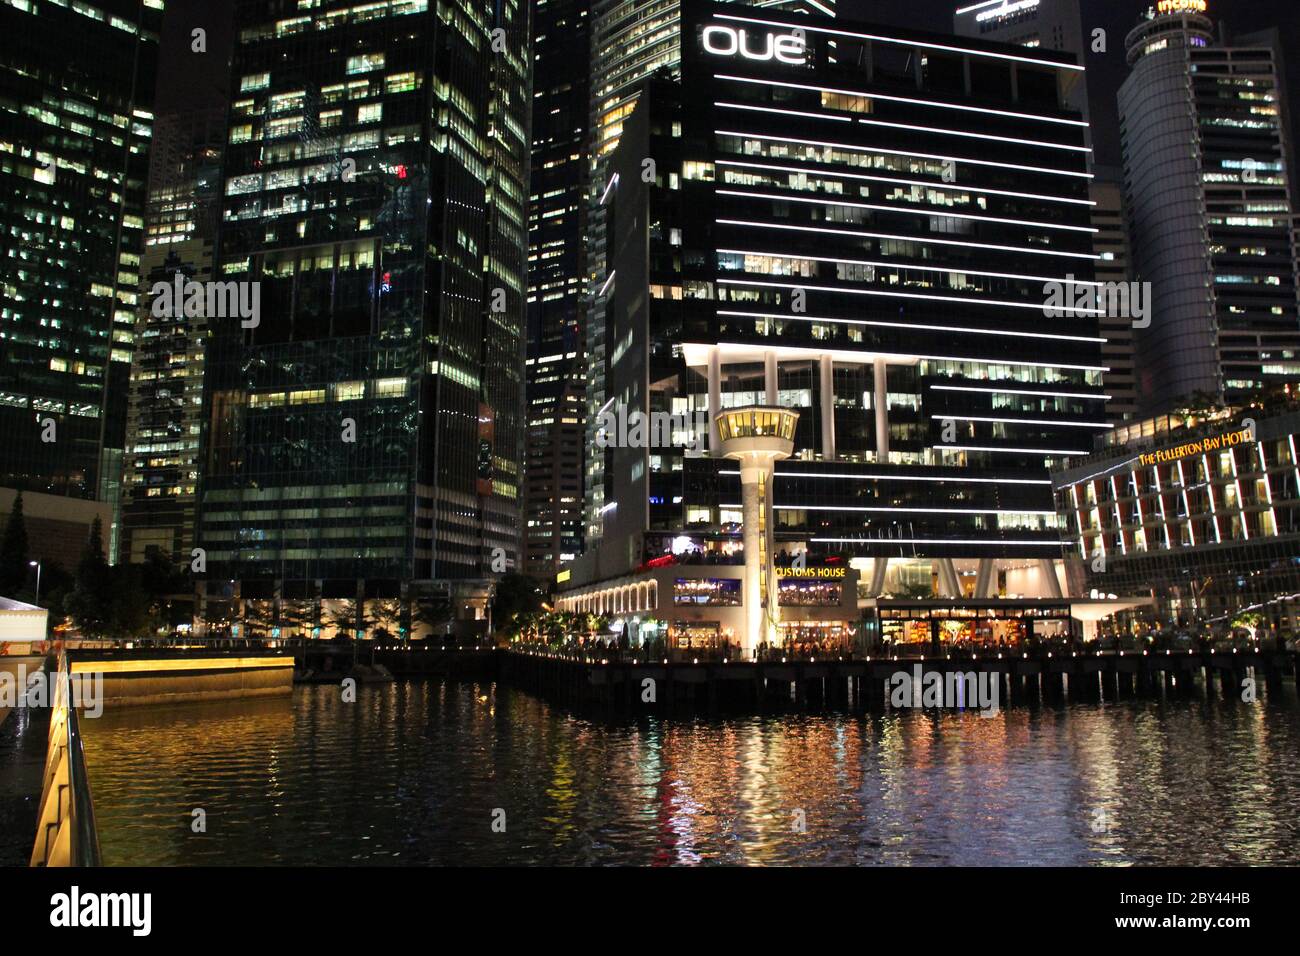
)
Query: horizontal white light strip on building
[
  {"x": 960, "y": 478},
  {"x": 794, "y": 352},
  {"x": 858, "y": 233},
  {"x": 907, "y": 126},
  {"x": 812, "y": 200},
  {"x": 911, "y": 43},
  {"x": 926, "y": 511},
  {"x": 898, "y": 99},
  {"x": 928, "y": 184},
  {"x": 1045, "y": 543},
  {"x": 884, "y": 264},
  {"x": 1016, "y": 391},
  {"x": 1025, "y": 421},
  {"x": 911, "y": 325},
  {"x": 773, "y": 109},
  {"x": 1014, "y": 451},
  {"x": 977, "y": 6},
  {"x": 857, "y": 148},
  {"x": 988, "y": 136},
  {"x": 880, "y": 293}
]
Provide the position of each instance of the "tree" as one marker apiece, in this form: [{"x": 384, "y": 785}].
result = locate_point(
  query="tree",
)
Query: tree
[
  {"x": 163, "y": 582},
  {"x": 131, "y": 611},
  {"x": 13, "y": 551},
  {"x": 260, "y": 617},
  {"x": 91, "y": 600},
  {"x": 387, "y": 615},
  {"x": 514, "y": 594},
  {"x": 350, "y": 618},
  {"x": 303, "y": 616}
]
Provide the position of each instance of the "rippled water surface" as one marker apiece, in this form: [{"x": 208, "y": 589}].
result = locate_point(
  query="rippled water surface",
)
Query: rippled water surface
[{"x": 413, "y": 772}]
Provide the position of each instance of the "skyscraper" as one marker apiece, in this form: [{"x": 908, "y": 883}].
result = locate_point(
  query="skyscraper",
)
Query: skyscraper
[
  {"x": 160, "y": 472},
  {"x": 1058, "y": 25},
  {"x": 632, "y": 40},
  {"x": 1209, "y": 197},
  {"x": 363, "y": 433},
  {"x": 858, "y": 223},
  {"x": 1113, "y": 266},
  {"x": 1050, "y": 24},
  {"x": 556, "y": 370},
  {"x": 78, "y": 84}
]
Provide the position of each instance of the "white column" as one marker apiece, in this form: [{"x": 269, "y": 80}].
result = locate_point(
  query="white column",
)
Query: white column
[
  {"x": 749, "y": 508},
  {"x": 882, "y": 410},
  {"x": 1047, "y": 571},
  {"x": 949, "y": 584},
  {"x": 879, "y": 568},
  {"x": 770, "y": 383},
  {"x": 986, "y": 578},
  {"x": 827, "y": 389},
  {"x": 715, "y": 400}
]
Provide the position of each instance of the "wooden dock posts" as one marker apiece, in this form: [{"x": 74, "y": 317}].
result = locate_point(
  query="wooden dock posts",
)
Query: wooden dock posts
[{"x": 631, "y": 687}]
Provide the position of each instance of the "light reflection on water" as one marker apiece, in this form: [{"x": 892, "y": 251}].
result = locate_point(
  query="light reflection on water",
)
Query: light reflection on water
[{"x": 412, "y": 772}]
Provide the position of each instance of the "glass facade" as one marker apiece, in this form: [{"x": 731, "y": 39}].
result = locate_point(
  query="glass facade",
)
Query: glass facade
[
  {"x": 632, "y": 40},
  {"x": 556, "y": 368},
  {"x": 1201, "y": 511},
  {"x": 863, "y": 232},
  {"x": 1212, "y": 225},
  {"x": 78, "y": 83},
  {"x": 368, "y": 427},
  {"x": 161, "y": 462}
]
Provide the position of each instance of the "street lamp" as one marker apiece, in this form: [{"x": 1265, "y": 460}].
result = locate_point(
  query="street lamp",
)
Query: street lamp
[{"x": 37, "y": 566}]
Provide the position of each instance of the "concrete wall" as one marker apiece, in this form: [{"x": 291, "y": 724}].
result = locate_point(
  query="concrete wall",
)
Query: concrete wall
[{"x": 132, "y": 682}]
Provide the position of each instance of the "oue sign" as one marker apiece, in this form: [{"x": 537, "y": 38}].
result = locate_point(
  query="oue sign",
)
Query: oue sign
[{"x": 730, "y": 41}]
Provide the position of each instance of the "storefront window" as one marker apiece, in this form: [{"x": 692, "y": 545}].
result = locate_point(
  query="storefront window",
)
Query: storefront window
[
  {"x": 809, "y": 594},
  {"x": 714, "y": 592}
]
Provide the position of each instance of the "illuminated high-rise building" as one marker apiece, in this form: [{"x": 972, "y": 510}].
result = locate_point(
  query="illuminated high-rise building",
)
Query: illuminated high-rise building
[
  {"x": 858, "y": 224},
  {"x": 363, "y": 436},
  {"x": 1209, "y": 199},
  {"x": 1047, "y": 24},
  {"x": 556, "y": 369},
  {"x": 161, "y": 461},
  {"x": 77, "y": 84},
  {"x": 631, "y": 40}
]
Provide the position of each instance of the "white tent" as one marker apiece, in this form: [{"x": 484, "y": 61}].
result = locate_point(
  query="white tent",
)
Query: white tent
[{"x": 21, "y": 625}]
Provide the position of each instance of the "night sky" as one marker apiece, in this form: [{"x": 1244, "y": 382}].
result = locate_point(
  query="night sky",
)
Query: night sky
[{"x": 189, "y": 79}]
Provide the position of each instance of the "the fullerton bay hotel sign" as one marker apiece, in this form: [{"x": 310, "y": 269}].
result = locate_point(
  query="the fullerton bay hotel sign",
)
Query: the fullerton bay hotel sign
[{"x": 1200, "y": 447}]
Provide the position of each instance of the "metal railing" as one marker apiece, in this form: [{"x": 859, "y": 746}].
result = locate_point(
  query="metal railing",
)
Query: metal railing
[{"x": 65, "y": 830}]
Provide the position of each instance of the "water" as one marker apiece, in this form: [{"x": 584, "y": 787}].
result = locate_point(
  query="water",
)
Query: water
[{"x": 412, "y": 773}]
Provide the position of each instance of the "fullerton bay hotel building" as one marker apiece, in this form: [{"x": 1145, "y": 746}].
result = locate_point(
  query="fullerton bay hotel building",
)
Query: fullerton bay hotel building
[{"x": 829, "y": 244}]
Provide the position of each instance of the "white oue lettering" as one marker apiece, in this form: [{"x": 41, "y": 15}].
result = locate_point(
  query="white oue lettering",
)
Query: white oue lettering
[{"x": 727, "y": 41}]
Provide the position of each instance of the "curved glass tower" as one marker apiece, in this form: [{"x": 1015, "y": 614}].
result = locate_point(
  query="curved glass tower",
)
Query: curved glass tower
[{"x": 1206, "y": 186}]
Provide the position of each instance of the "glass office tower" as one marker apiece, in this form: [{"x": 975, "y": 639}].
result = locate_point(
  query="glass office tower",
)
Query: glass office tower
[
  {"x": 363, "y": 437},
  {"x": 77, "y": 81},
  {"x": 860, "y": 223},
  {"x": 1209, "y": 199},
  {"x": 556, "y": 370},
  {"x": 160, "y": 474},
  {"x": 632, "y": 40}
]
